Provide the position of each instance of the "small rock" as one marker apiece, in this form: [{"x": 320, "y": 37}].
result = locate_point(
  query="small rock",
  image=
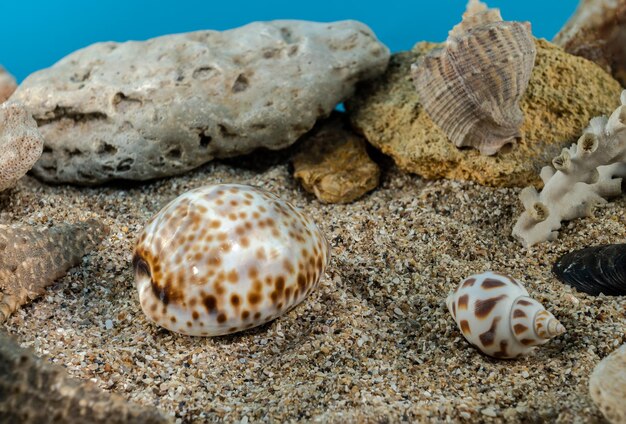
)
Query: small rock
[
  {"x": 334, "y": 165},
  {"x": 563, "y": 94},
  {"x": 21, "y": 143},
  {"x": 7, "y": 85},
  {"x": 607, "y": 386},
  {"x": 108, "y": 324},
  {"x": 143, "y": 110},
  {"x": 489, "y": 412}
]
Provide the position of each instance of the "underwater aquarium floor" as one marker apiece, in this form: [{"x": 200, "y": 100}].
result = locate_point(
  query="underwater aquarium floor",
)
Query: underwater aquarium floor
[{"x": 374, "y": 343}]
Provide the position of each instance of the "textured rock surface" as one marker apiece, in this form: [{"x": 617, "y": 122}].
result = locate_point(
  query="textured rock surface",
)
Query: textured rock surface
[
  {"x": 20, "y": 143},
  {"x": 35, "y": 391},
  {"x": 334, "y": 165},
  {"x": 141, "y": 110},
  {"x": 597, "y": 31},
  {"x": 564, "y": 92},
  {"x": 7, "y": 85}
]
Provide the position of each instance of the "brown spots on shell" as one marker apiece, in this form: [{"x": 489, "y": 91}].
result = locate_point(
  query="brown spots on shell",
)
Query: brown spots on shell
[
  {"x": 488, "y": 337},
  {"x": 524, "y": 302},
  {"x": 469, "y": 282},
  {"x": 465, "y": 327},
  {"x": 195, "y": 315},
  {"x": 221, "y": 318},
  {"x": 527, "y": 342},
  {"x": 502, "y": 353},
  {"x": 463, "y": 302},
  {"x": 235, "y": 300},
  {"x": 254, "y": 298},
  {"x": 260, "y": 254},
  {"x": 518, "y": 313},
  {"x": 301, "y": 281},
  {"x": 167, "y": 293},
  {"x": 482, "y": 308},
  {"x": 519, "y": 328},
  {"x": 491, "y": 283},
  {"x": 210, "y": 303},
  {"x": 233, "y": 276}
]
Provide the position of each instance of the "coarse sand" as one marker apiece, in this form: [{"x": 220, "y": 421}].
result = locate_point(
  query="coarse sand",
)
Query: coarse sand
[{"x": 374, "y": 343}]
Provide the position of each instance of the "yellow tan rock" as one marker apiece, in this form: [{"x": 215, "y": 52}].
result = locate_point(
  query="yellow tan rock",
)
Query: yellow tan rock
[
  {"x": 563, "y": 94},
  {"x": 333, "y": 164}
]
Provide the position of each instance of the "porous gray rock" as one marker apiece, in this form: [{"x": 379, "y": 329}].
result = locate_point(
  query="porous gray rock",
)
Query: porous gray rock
[
  {"x": 20, "y": 143},
  {"x": 143, "y": 110}
]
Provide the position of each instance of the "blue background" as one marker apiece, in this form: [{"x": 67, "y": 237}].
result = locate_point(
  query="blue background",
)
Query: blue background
[{"x": 35, "y": 34}]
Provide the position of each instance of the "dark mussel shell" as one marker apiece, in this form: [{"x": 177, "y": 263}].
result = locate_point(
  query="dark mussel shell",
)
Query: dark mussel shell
[{"x": 594, "y": 270}]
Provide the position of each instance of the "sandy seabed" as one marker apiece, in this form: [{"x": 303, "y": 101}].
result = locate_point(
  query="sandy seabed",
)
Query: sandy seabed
[{"x": 374, "y": 343}]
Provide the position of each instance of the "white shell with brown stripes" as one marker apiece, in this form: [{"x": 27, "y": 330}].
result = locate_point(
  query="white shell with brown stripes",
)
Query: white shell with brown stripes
[{"x": 497, "y": 316}]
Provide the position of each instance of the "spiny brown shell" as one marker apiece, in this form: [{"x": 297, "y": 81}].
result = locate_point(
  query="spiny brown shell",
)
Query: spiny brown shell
[{"x": 472, "y": 86}]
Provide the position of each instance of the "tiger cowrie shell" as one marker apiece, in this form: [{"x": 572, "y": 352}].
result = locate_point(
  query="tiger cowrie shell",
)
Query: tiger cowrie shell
[{"x": 224, "y": 258}]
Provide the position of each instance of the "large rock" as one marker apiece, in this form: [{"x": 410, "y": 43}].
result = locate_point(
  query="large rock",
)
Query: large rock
[
  {"x": 563, "y": 94},
  {"x": 597, "y": 31},
  {"x": 142, "y": 110},
  {"x": 20, "y": 143}
]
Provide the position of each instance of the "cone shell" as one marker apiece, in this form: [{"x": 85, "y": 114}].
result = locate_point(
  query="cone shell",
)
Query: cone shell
[
  {"x": 496, "y": 315},
  {"x": 471, "y": 87},
  {"x": 224, "y": 258}
]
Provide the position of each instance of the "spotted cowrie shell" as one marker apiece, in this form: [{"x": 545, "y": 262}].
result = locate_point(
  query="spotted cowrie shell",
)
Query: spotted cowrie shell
[
  {"x": 224, "y": 258},
  {"x": 497, "y": 316}
]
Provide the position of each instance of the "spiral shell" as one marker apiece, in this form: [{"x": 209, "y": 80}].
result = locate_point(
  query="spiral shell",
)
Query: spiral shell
[
  {"x": 496, "y": 315},
  {"x": 224, "y": 258},
  {"x": 471, "y": 87}
]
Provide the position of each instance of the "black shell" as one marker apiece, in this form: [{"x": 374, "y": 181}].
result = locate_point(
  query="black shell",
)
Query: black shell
[{"x": 595, "y": 270}]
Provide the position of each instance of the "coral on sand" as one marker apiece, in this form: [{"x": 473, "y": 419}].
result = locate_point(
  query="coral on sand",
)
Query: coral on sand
[
  {"x": 31, "y": 259},
  {"x": 333, "y": 163},
  {"x": 584, "y": 175},
  {"x": 33, "y": 391},
  {"x": 563, "y": 94},
  {"x": 134, "y": 111},
  {"x": 21, "y": 143}
]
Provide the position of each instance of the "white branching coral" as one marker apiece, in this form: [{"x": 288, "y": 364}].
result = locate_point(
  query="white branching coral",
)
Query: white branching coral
[{"x": 584, "y": 175}]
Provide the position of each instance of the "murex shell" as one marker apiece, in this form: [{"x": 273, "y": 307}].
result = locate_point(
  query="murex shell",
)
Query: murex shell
[
  {"x": 497, "y": 316},
  {"x": 224, "y": 258},
  {"x": 594, "y": 270},
  {"x": 471, "y": 87}
]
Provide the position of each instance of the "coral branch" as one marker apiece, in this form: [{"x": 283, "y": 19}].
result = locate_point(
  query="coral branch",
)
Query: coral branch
[{"x": 584, "y": 175}]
